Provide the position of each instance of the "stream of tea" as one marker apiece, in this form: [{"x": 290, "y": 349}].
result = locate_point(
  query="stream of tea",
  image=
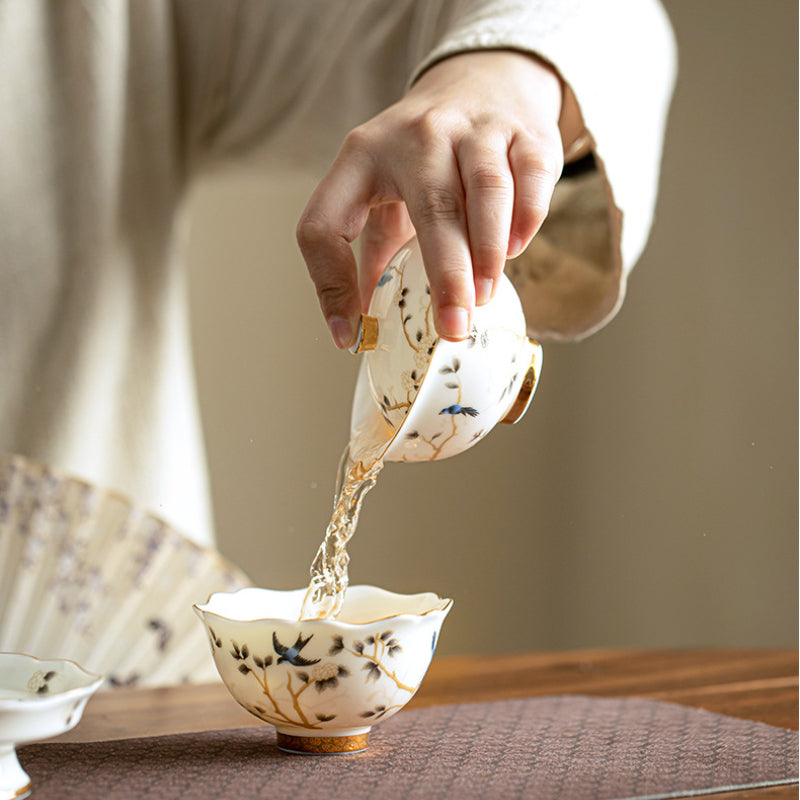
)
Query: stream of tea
[{"x": 329, "y": 576}]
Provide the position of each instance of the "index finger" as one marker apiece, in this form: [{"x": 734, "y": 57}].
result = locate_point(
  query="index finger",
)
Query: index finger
[{"x": 335, "y": 215}]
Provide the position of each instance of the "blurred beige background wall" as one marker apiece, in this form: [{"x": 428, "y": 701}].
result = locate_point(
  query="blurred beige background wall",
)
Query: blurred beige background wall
[{"x": 649, "y": 497}]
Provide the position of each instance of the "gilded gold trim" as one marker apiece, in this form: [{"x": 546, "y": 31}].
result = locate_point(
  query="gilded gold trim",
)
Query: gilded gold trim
[
  {"x": 59, "y": 696},
  {"x": 399, "y": 616},
  {"x": 367, "y": 334},
  {"x": 23, "y": 792},
  {"x": 330, "y": 620},
  {"x": 199, "y": 608},
  {"x": 520, "y": 405},
  {"x": 323, "y": 745}
]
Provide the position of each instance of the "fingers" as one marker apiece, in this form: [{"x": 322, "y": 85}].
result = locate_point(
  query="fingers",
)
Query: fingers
[
  {"x": 466, "y": 234},
  {"x": 479, "y": 203},
  {"x": 473, "y": 151},
  {"x": 440, "y": 221},
  {"x": 332, "y": 219},
  {"x": 536, "y": 169},
  {"x": 437, "y": 210},
  {"x": 474, "y": 191},
  {"x": 490, "y": 190}
]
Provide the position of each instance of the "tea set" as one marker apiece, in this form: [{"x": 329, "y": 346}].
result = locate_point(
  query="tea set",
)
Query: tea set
[{"x": 324, "y": 683}]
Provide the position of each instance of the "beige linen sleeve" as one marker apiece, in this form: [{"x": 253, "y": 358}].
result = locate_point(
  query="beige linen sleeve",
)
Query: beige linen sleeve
[
  {"x": 619, "y": 59},
  {"x": 281, "y": 83}
]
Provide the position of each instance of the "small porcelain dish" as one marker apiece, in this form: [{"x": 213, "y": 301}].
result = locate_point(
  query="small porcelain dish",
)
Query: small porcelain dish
[
  {"x": 323, "y": 683},
  {"x": 38, "y": 699},
  {"x": 421, "y": 398}
]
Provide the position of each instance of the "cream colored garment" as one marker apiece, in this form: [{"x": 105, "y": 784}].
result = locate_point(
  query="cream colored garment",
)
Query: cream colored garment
[{"x": 109, "y": 109}]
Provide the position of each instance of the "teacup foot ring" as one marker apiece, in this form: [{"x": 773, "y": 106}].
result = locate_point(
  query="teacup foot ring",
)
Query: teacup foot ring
[
  {"x": 323, "y": 745},
  {"x": 22, "y": 793},
  {"x": 15, "y": 783}
]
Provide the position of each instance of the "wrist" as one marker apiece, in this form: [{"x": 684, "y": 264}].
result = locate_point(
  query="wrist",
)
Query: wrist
[{"x": 574, "y": 137}]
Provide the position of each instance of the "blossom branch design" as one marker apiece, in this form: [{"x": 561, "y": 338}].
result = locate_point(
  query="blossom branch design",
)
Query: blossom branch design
[{"x": 383, "y": 645}]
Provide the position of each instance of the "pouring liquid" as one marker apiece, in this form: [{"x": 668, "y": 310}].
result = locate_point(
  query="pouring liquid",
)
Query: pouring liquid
[
  {"x": 329, "y": 577},
  {"x": 359, "y": 467},
  {"x": 362, "y": 460}
]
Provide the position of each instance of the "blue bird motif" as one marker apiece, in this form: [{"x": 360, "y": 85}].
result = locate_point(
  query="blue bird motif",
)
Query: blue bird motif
[
  {"x": 467, "y": 411},
  {"x": 292, "y": 654},
  {"x": 385, "y": 278}
]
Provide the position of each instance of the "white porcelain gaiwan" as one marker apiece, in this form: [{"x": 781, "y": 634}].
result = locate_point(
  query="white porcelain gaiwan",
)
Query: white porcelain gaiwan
[
  {"x": 425, "y": 398},
  {"x": 323, "y": 683},
  {"x": 38, "y": 699}
]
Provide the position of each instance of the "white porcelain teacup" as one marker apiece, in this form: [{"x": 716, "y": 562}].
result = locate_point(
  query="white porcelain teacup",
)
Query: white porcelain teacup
[
  {"x": 424, "y": 398},
  {"x": 323, "y": 683},
  {"x": 38, "y": 699}
]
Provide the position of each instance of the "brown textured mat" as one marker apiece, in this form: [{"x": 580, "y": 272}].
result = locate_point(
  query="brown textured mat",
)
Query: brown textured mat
[{"x": 565, "y": 748}]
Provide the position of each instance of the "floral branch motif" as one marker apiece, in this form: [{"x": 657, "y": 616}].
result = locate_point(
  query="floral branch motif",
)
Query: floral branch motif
[
  {"x": 388, "y": 405},
  {"x": 420, "y": 341},
  {"x": 383, "y": 646},
  {"x": 375, "y": 650},
  {"x": 453, "y": 411},
  {"x": 262, "y": 663},
  {"x": 39, "y": 681},
  {"x": 379, "y": 711},
  {"x": 322, "y": 676},
  {"x": 510, "y": 386},
  {"x": 474, "y": 336}
]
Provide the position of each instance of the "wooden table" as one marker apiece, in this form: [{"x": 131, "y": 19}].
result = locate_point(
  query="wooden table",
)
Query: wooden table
[{"x": 760, "y": 685}]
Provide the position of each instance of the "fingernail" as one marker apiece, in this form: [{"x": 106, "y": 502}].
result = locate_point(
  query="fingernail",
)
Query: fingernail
[
  {"x": 514, "y": 246},
  {"x": 453, "y": 322},
  {"x": 484, "y": 288},
  {"x": 341, "y": 331}
]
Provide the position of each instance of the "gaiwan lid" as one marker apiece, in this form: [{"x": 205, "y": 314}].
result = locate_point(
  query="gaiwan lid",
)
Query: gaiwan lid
[{"x": 419, "y": 398}]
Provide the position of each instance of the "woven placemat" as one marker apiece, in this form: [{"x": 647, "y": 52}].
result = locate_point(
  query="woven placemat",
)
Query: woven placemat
[{"x": 564, "y": 747}]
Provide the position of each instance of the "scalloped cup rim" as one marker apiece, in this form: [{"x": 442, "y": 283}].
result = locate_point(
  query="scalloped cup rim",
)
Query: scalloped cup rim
[
  {"x": 56, "y": 696},
  {"x": 443, "y": 605}
]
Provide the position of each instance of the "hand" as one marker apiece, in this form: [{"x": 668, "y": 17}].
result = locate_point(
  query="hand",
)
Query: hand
[{"x": 468, "y": 159}]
